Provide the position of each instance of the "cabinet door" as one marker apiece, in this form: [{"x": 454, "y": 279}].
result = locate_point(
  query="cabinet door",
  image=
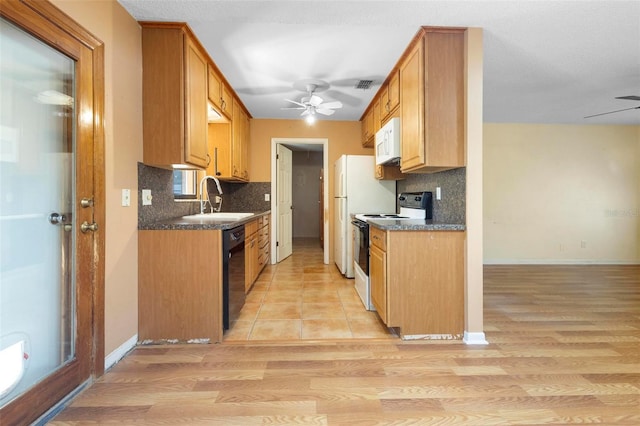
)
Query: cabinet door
[
  {"x": 195, "y": 106},
  {"x": 384, "y": 103},
  {"x": 375, "y": 122},
  {"x": 237, "y": 141},
  {"x": 393, "y": 91},
  {"x": 214, "y": 89},
  {"x": 412, "y": 108},
  {"x": 378, "y": 277},
  {"x": 226, "y": 102},
  {"x": 367, "y": 124}
]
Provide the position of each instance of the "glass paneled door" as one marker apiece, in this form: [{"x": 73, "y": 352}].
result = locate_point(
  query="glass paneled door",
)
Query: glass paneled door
[
  {"x": 36, "y": 202},
  {"x": 46, "y": 226}
]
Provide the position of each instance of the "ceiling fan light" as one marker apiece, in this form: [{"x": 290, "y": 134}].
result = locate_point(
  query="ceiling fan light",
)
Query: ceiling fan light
[{"x": 310, "y": 118}]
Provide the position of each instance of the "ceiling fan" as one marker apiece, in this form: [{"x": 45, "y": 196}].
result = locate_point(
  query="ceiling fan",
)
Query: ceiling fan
[
  {"x": 312, "y": 103},
  {"x": 629, "y": 98}
]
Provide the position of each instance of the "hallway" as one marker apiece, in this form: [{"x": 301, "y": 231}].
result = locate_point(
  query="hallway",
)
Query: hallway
[{"x": 303, "y": 299}]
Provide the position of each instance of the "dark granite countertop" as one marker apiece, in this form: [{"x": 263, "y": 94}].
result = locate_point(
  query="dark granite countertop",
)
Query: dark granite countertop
[
  {"x": 179, "y": 223},
  {"x": 415, "y": 225}
]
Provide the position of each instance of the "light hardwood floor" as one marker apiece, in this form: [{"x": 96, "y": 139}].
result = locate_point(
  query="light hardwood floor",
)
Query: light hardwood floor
[{"x": 564, "y": 348}]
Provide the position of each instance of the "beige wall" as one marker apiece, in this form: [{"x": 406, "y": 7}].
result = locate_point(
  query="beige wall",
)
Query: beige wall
[
  {"x": 344, "y": 138},
  {"x": 121, "y": 34},
  {"x": 561, "y": 193}
]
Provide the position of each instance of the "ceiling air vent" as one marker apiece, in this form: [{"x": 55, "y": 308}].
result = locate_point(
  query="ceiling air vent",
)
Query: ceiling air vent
[{"x": 364, "y": 84}]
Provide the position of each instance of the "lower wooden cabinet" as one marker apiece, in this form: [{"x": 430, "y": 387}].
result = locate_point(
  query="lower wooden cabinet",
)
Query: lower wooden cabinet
[
  {"x": 180, "y": 285},
  {"x": 417, "y": 281},
  {"x": 256, "y": 247}
]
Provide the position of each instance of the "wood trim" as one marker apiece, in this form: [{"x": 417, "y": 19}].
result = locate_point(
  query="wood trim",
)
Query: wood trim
[{"x": 99, "y": 211}]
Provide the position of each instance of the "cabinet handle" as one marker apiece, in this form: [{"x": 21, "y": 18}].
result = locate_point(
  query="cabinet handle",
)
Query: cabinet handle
[{"x": 208, "y": 160}]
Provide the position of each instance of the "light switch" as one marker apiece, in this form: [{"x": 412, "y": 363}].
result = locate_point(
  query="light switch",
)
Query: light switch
[
  {"x": 126, "y": 197},
  {"x": 146, "y": 197}
]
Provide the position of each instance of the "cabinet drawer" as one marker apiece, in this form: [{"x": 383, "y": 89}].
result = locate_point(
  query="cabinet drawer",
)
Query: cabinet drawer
[
  {"x": 251, "y": 228},
  {"x": 378, "y": 238},
  {"x": 265, "y": 220}
]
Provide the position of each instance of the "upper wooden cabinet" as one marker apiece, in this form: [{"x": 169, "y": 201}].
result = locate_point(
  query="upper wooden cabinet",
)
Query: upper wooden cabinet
[
  {"x": 229, "y": 143},
  {"x": 240, "y": 143},
  {"x": 432, "y": 102},
  {"x": 219, "y": 94},
  {"x": 389, "y": 98},
  {"x": 367, "y": 129},
  {"x": 174, "y": 87}
]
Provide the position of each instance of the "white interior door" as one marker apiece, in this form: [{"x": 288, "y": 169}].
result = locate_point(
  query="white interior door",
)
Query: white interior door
[{"x": 284, "y": 246}]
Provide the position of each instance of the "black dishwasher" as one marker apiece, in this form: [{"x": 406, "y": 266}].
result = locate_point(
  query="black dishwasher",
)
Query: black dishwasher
[{"x": 232, "y": 274}]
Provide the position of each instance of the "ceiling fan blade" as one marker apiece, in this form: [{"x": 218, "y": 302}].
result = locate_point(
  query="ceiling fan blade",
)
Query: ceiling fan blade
[
  {"x": 323, "y": 111},
  {"x": 294, "y": 108},
  {"x": 629, "y": 98},
  {"x": 315, "y": 100},
  {"x": 332, "y": 105},
  {"x": 297, "y": 103},
  {"x": 611, "y": 112},
  {"x": 305, "y": 112}
]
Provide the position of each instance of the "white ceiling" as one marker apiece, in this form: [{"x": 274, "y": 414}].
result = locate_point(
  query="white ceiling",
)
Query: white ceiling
[{"x": 544, "y": 61}]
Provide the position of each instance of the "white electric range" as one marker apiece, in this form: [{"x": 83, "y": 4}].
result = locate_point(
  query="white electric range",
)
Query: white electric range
[{"x": 413, "y": 205}]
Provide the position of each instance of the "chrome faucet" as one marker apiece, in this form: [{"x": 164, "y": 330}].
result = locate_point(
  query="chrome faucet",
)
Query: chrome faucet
[{"x": 202, "y": 192}]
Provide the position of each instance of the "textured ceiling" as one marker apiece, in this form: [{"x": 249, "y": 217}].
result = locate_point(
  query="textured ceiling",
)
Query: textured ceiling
[{"x": 544, "y": 61}]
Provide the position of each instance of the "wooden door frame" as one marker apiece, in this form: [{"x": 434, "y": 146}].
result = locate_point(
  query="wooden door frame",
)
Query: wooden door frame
[{"x": 46, "y": 22}]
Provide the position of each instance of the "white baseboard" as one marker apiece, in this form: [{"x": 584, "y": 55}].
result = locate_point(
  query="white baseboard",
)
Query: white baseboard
[
  {"x": 475, "y": 338},
  {"x": 558, "y": 262},
  {"x": 120, "y": 352}
]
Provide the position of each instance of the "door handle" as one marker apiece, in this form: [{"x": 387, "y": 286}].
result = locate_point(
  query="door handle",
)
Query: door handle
[
  {"x": 56, "y": 219},
  {"x": 88, "y": 227}
]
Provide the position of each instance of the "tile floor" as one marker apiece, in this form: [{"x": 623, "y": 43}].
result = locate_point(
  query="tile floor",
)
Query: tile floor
[{"x": 302, "y": 298}]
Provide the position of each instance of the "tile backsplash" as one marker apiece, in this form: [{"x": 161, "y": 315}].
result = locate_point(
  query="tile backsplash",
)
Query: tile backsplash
[
  {"x": 245, "y": 197},
  {"x": 452, "y": 183}
]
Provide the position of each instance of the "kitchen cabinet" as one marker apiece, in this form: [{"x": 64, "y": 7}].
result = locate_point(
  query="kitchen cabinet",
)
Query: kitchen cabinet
[
  {"x": 174, "y": 87},
  {"x": 389, "y": 96},
  {"x": 218, "y": 93},
  {"x": 180, "y": 285},
  {"x": 251, "y": 254},
  {"x": 256, "y": 249},
  {"x": 378, "y": 272},
  {"x": 375, "y": 122},
  {"x": 367, "y": 129},
  {"x": 383, "y": 172},
  {"x": 263, "y": 243},
  {"x": 417, "y": 281},
  {"x": 228, "y": 146},
  {"x": 432, "y": 102},
  {"x": 240, "y": 142}
]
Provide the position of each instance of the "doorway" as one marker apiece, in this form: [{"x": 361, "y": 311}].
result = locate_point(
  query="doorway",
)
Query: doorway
[
  {"x": 52, "y": 269},
  {"x": 301, "y": 178}
]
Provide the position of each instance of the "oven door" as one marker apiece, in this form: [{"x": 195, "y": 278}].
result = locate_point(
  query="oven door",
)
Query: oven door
[{"x": 361, "y": 245}]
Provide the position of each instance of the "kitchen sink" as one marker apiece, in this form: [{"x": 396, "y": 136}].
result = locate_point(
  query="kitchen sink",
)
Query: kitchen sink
[{"x": 217, "y": 216}]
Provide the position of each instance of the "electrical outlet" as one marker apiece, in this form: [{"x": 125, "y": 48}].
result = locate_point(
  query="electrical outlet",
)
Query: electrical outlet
[
  {"x": 438, "y": 193},
  {"x": 583, "y": 244},
  {"x": 126, "y": 197},
  {"x": 267, "y": 197}
]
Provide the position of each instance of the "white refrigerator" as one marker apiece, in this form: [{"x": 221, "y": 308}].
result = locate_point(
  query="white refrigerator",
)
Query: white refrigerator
[{"x": 356, "y": 190}]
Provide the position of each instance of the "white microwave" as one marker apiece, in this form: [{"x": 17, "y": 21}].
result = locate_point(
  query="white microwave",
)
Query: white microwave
[{"x": 388, "y": 142}]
